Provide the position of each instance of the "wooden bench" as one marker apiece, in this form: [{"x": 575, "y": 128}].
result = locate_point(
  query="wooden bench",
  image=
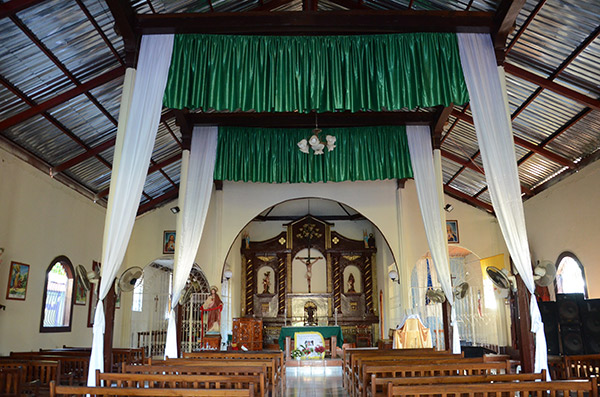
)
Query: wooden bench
[
  {"x": 379, "y": 385},
  {"x": 413, "y": 368},
  {"x": 554, "y": 388},
  {"x": 179, "y": 381},
  {"x": 10, "y": 381},
  {"x": 75, "y": 367},
  {"x": 37, "y": 374},
  {"x": 351, "y": 357},
  {"x": 272, "y": 379},
  {"x": 214, "y": 369},
  {"x": 582, "y": 366},
  {"x": 276, "y": 370},
  {"x": 119, "y": 355},
  {"x": 70, "y": 391}
]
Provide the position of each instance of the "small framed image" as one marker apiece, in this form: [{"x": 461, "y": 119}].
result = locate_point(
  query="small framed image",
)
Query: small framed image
[
  {"x": 80, "y": 294},
  {"x": 452, "y": 231},
  {"x": 18, "y": 279},
  {"x": 169, "y": 242}
]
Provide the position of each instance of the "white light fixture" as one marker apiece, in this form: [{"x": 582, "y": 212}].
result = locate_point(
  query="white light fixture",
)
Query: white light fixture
[
  {"x": 315, "y": 143},
  {"x": 227, "y": 273},
  {"x": 175, "y": 209},
  {"x": 448, "y": 207},
  {"x": 393, "y": 275}
]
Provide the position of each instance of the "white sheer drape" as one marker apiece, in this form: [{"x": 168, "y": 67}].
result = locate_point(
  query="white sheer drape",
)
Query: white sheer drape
[
  {"x": 494, "y": 133},
  {"x": 421, "y": 157},
  {"x": 131, "y": 161},
  {"x": 197, "y": 189}
]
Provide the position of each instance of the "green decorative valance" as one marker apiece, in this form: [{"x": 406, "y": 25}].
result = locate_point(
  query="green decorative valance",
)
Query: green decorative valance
[
  {"x": 322, "y": 73},
  {"x": 272, "y": 155}
]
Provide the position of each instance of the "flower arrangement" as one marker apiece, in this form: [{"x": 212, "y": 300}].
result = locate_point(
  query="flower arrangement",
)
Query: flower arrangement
[{"x": 306, "y": 351}]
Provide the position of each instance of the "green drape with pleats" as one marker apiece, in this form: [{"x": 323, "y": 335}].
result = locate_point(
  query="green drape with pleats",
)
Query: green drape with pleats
[
  {"x": 322, "y": 73},
  {"x": 272, "y": 155}
]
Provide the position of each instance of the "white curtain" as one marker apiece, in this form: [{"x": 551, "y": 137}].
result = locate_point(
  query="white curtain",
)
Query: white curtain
[
  {"x": 494, "y": 133},
  {"x": 421, "y": 157},
  {"x": 196, "y": 192},
  {"x": 131, "y": 161}
]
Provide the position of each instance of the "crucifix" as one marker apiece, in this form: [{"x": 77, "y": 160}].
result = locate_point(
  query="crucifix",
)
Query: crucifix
[{"x": 309, "y": 231}]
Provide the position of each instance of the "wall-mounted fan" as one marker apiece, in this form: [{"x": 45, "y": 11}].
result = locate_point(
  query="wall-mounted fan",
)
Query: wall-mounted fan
[
  {"x": 460, "y": 291},
  {"x": 436, "y": 295},
  {"x": 130, "y": 279},
  {"x": 501, "y": 278},
  {"x": 85, "y": 278},
  {"x": 544, "y": 273}
]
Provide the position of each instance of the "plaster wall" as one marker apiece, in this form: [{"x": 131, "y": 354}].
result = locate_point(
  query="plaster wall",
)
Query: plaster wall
[
  {"x": 42, "y": 219},
  {"x": 565, "y": 218}
]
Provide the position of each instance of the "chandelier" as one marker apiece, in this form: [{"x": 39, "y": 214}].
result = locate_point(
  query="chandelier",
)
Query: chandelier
[{"x": 315, "y": 143}]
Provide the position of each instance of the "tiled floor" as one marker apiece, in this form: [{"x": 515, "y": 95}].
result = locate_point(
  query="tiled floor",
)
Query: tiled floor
[{"x": 314, "y": 382}]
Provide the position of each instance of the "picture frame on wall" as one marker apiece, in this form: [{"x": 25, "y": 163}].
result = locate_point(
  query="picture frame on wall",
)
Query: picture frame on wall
[
  {"x": 93, "y": 301},
  {"x": 18, "y": 278},
  {"x": 452, "y": 231},
  {"x": 80, "y": 294},
  {"x": 169, "y": 242}
]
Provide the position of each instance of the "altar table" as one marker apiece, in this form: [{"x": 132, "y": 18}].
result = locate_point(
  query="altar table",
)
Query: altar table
[{"x": 333, "y": 332}]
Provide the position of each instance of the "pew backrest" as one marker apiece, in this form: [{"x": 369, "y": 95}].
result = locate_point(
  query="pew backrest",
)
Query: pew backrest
[
  {"x": 11, "y": 380},
  {"x": 57, "y": 390}
]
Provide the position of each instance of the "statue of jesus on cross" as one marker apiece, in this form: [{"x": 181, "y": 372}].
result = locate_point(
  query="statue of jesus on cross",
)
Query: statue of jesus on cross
[{"x": 309, "y": 231}]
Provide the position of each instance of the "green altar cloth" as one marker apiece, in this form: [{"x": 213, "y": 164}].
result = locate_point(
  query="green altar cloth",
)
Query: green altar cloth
[{"x": 327, "y": 333}]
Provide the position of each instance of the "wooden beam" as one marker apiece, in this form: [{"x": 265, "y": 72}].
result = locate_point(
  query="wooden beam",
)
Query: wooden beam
[
  {"x": 526, "y": 144},
  {"x": 83, "y": 156},
  {"x": 316, "y": 23},
  {"x": 59, "y": 99},
  {"x": 171, "y": 194},
  {"x": 310, "y": 5},
  {"x": 465, "y": 197},
  {"x": 447, "y": 321},
  {"x": 124, "y": 17},
  {"x": 526, "y": 338},
  {"x": 12, "y": 7},
  {"x": 552, "y": 86},
  {"x": 504, "y": 23},
  {"x": 441, "y": 118},
  {"x": 307, "y": 120}
]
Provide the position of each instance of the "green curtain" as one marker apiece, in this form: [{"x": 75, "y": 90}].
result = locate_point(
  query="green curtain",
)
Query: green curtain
[
  {"x": 272, "y": 155},
  {"x": 322, "y": 73}
]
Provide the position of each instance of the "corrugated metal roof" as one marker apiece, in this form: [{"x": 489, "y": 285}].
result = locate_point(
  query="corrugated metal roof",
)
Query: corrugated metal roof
[{"x": 557, "y": 124}]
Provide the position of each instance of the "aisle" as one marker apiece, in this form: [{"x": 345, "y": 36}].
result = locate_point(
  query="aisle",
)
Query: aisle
[{"x": 314, "y": 382}]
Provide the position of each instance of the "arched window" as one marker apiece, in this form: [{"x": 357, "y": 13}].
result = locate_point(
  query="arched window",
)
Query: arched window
[
  {"x": 570, "y": 276},
  {"x": 58, "y": 296}
]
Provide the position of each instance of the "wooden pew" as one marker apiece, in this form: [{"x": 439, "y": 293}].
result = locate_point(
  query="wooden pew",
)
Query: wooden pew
[
  {"x": 276, "y": 370},
  {"x": 119, "y": 355},
  {"x": 351, "y": 356},
  {"x": 413, "y": 368},
  {"x": 582, "y": 366},
  {"x": 555, "y": 388},
  {"x": 70, "y": 391},
  {"x": 37, "y": 374},
  {"x": 379, "y": 385},
  {"x": 212, "y": 369},
  {"x": 10, "y": 381},
  {"x": 271, "y": 377},
  {"x": 214, "y": 382},
  {"x": 75, "y": 367}
]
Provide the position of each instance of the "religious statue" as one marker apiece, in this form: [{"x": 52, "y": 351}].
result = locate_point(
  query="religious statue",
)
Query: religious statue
[
  {"x": 266, "y": 282},
  {"x": 309, "y": 232},
  {"x": 212, "y": 307},
  {"x": 351, "y": 283},
  {"x": 310, "y": 308}
]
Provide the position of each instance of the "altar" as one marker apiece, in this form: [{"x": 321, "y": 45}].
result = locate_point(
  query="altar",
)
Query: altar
[{"x": 332, "y": 332}]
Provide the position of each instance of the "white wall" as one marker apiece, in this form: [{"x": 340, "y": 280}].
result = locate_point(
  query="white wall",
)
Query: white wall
[
  {"x": 566, "y": 217},
  {"x": 41, "y": 219}
]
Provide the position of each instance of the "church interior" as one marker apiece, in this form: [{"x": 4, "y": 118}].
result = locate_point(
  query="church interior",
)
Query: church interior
[{"x": 279, "y": 210}]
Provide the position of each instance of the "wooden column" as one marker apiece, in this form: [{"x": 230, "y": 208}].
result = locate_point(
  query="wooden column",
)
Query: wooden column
[
  {"x": 526, "y": 338},
  {"x": 109, "y": 316},
  {"x": 447, "y": 320}
]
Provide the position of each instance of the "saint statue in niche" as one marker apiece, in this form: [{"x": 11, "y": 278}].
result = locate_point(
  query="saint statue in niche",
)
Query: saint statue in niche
[
  {"x": 351, "y": 283},
  {"x": 310, "y": 309},
  {"x": 266, "y": 282}
]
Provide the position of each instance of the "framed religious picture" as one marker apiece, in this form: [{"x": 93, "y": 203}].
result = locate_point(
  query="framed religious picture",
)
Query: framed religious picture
[
  {"x": 80, "y": 294},
  {"x": 93, "y": 296},
  {"x": 452, "y": 231},
  {"x": 18, "y": 278},
  {"x": 169, "y": 242}
]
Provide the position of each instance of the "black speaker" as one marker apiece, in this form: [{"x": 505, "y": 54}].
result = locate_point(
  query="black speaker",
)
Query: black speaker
[
  {"x": 568, "y": 308},
  {"x": 550, "y": 320},
  {"x": 572, "y": 341},
  {"x": 589, "y": 312}
]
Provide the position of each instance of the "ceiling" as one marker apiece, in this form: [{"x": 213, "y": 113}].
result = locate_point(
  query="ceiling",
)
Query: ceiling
[{"x": 62, "y": 65}]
